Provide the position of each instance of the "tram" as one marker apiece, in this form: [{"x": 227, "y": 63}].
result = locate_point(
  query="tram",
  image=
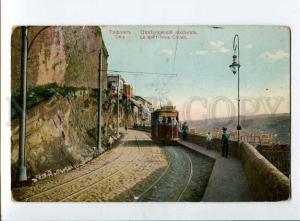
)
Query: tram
[{"x": 165, "y": 124}]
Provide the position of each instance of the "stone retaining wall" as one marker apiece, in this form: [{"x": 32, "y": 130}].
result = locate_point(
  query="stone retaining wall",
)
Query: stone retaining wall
[
  {"x": 266, "y": 182},
  {"x": 279, "y": 155}
]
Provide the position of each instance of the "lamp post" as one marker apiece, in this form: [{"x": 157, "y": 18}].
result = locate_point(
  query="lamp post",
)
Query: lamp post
[
  {"x": 235, "y": 68},
  {"x": 21, "y": 172}
]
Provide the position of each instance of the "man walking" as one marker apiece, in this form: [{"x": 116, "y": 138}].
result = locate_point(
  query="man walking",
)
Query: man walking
[{"x": 225, "y": 141}]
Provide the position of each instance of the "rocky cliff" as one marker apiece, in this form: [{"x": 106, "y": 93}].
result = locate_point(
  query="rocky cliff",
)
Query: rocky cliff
[
  {"x": 58, "y": 132},
  {"x": 62, "y": 97},
  {"x": 67, "y": 56},
  {"x": 62, "y": 127}
]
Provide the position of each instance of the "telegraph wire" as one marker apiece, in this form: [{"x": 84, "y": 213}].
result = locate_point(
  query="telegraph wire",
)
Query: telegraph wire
[
  {"x": 175, "y": 51},
  {"x": 139, "y": 72},
  {"x": 153, "y": 73}
]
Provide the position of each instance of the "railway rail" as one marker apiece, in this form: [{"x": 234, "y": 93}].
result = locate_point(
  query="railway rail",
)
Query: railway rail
[
  {"x": 139, "y": 171},
  {"x": 97, "y": 169},
  {"x": 127, "y": 163},
  {"x": 189, "y": 178},
  {"x": 167, "y": 174},
  {"x": 91, "y": 172}
]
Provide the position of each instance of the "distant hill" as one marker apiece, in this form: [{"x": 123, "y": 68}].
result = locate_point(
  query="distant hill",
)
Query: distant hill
[{"x": 279, "y": 124}]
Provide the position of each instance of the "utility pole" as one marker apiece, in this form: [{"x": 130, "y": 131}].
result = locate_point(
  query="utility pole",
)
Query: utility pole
[
  {"x": 21, "y": 172},
  {"x": 118, "y": 106},
  {"x": 100, "y": 102}
]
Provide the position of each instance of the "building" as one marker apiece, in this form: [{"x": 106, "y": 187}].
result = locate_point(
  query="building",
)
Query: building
[
  {"x": 143, "y": 101},
  {"x": 144, "y": 111},
  {"x": 114, "y": 82},
  {"x": 128, "y": 90}
]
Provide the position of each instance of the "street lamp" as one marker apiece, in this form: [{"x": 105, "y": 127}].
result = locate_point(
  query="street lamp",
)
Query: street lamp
[{"x": 235, "y": 68}]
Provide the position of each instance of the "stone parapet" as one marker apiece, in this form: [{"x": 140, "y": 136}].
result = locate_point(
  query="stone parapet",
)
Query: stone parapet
[{"x": 266, "y": 182}]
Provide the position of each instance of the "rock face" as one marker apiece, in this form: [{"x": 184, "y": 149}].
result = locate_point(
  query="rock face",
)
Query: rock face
[
  {"x": 58, "y": 133},
  {"x": 61, "y": 130},
  {"x": 67, "y": 56}
]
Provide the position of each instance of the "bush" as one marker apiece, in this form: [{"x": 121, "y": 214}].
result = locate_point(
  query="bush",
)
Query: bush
[{"x": 40, "y": 94}]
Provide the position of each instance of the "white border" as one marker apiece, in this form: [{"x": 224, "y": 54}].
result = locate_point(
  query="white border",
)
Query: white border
[{"x": 92, "y": 12}]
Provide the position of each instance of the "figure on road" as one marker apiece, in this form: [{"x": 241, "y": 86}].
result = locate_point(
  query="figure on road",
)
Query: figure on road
[
  {"x": 208, "y": 140},
  {"x": 185, "y": 130},
  {"x": 225, "y": 140},
  {"x": 110, "y": 142}
]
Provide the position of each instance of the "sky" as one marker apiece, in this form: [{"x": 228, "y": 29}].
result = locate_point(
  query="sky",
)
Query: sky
[{"x": 188, "y": 66}]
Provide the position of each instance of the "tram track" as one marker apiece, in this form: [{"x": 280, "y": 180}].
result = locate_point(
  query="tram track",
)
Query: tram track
[
  {"x": 74, "y": 179},
  {"x": 169, "y": 174},
  {"x": 77, "y": 178},
  {"x": 189, "y": 178},
  {"x": 138, "y": 171},
  {"x": 137, "y": 198},
  {"x": 127, "y": 163}
]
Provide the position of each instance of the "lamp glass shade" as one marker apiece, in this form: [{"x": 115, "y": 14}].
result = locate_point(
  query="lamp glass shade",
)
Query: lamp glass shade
[{"x": 233, "y": 68}]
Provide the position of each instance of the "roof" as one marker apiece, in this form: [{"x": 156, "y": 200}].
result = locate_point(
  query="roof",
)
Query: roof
[
  {"x": 136, "y": 103},
  {"x": 111, "y": 76},
  {"x": 169, "y": 109},
  {"x": 141, "y": 98}
]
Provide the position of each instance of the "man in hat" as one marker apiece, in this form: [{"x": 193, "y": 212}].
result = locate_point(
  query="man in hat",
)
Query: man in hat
[
  {"x": 225, "y": 140},
  {"x": 185, "y": 130}
]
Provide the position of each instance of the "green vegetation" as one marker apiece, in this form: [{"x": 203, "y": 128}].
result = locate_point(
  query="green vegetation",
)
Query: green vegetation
[
  {"x": 98, "y": 30},
  {"x": 40, "y": 94}
]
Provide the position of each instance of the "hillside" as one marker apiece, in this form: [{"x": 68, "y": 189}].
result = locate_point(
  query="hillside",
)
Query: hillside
[{"x": 279, "y": 124}]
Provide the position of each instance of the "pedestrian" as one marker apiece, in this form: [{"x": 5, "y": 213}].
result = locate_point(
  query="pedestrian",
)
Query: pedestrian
[
  {"x": 169, "y": 121},
  {"x": 225, "y": 140},
  {"x": 110, "y": 141},
  {"x": 185, "y": 130},
  {"x": 125, "y": 127},
  {"x": 164, "y": 120},
  {"x": 208, "y": 140},
  {"x": 174, "y": 122}
]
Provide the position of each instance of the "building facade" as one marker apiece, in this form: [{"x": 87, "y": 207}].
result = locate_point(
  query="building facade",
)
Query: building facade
[
  {"x": 128, "y": 90},
  {"x": 115, "y": 82}
]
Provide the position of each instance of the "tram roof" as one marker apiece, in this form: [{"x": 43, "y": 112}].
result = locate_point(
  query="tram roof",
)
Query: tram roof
[{"x": 166, "y": 109}]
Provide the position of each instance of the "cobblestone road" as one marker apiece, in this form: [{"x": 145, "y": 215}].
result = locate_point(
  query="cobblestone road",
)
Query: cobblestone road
[{"x": 136, "y": 170}]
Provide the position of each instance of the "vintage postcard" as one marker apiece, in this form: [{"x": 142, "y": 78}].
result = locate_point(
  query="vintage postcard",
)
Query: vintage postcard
[{"x": 150, "y": 113}]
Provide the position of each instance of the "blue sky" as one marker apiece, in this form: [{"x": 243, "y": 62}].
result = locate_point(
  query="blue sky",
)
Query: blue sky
[{"x": 201, "y": 65}]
